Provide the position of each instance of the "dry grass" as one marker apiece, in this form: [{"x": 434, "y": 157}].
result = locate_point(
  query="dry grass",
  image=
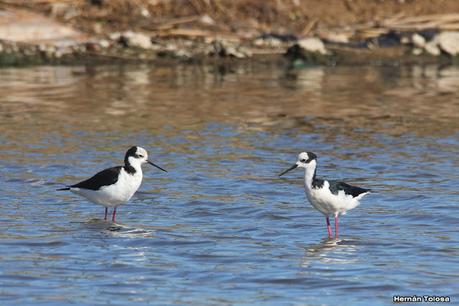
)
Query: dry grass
[
  {"x": 243, "y": 17},
  {"x": 233, "y": 16}
]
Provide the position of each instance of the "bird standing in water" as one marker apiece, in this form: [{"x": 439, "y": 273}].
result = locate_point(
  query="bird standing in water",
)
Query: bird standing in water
[
  {"x": 115, "y": 186},
  {"x": 331, "y": 198}
]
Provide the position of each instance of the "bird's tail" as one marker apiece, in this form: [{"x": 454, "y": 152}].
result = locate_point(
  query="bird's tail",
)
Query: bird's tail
[{"x": 65, "y": 188}]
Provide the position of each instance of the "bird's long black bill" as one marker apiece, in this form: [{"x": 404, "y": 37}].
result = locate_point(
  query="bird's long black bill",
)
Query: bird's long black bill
[
  {"x": 151, "y": 163},
  {"x": 289, "y": 169}
]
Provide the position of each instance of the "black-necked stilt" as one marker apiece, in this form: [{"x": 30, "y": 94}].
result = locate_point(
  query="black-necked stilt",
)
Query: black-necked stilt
[
  {"x": 115, "y": 186},
  {"x": 328, "y": 197}
]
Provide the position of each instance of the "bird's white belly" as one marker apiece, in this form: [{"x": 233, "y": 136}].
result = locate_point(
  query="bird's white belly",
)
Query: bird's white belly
[
  {"x": 116, "y": 194},
  {"x": 328, "y": 203}
]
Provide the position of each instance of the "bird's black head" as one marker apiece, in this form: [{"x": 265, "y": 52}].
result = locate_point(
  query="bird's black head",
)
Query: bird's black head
[
  {"x": 138, "y": 155},
  {"x": 307, "y": 158},
  {"x": 131, "y": 152},
  {"x": 304, "y": 161}
]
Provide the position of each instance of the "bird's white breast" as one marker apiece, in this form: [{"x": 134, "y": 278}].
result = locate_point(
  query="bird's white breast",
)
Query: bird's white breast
[
  {"x": 328, "y": 203},
  {"x": 115, "y": 194}
]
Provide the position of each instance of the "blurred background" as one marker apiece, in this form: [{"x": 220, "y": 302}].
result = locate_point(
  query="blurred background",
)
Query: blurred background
[
  {"x": 347, "y": 31},
  {"x": 243, "y": 17},
  {"x": 224, "y": 95}
]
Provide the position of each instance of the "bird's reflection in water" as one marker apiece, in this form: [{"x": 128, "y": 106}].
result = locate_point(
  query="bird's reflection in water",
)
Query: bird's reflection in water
[
  {"x": 330, "y": 251},
  {"x": 120, "y": 230},
  {"x": 126, "y": 231}
]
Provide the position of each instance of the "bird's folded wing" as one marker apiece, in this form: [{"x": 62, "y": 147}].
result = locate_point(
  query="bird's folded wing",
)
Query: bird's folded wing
[
  {"x": 336, "y": 186},
  {"x": 103, "y": 178}
]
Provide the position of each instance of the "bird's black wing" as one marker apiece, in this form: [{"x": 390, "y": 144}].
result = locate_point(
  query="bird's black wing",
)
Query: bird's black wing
[
  {"x": 336, "y": 186},
  {"x": 103, "y": 178}
]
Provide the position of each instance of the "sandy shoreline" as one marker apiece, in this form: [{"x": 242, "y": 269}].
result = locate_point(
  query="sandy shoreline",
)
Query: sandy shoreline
[{"x": 92, "y": 32}]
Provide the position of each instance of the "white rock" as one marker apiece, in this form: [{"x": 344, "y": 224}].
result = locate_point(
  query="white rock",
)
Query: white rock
[
  {"x": 449, "y": 42},
  {"x": 115, "y": 36},
  {"x": 237, "y": 53},
  {"x": 432, "y": 47},
  {"x": 259, "y": 42},
  {"x": 138, "y": 40},
  {"x": 104, "y": 43},
  {"x": 336, "y": 37},
  {"x": 418, "y": 40},
  {"x": 417, "y": 51},
  {"x": 312, "y": 44},
  {"x": 268, "y": 42},
  {"x": 405, "y": 40},
  {"x": 274, "y": 42},
  {"x": 171, "y": 47},
  {"x": 206, "y": 19},
  {"x": 182, "y": 54}
]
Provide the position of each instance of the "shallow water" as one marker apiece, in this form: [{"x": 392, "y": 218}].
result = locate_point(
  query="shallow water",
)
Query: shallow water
[{"x": 220, "y": 227}]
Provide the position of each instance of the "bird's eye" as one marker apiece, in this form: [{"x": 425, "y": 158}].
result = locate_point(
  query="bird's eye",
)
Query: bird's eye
[
  {"x": 139, "y": 155},
  {"x": 303, "y": 160}
]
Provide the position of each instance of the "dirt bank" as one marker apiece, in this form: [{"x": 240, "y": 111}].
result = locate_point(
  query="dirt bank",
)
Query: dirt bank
[
  {"x": 306, "y": 31},
  {"x": 243, "y": 17}
]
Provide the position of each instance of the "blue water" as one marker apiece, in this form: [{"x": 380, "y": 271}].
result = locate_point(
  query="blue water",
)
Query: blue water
[{"x": 220, "y": 228}]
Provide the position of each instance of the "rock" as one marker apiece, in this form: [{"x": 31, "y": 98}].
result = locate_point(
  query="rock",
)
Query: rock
[
  {"x": 182, "y": 54},
  {"x": 417, "y": 51},
  {"x": 237, "y": 52},
  {"x": 312, "y": 44},
  {"x": 135, "y": 39},
  {"x": 104, "y": 43},
  {"x": 171, "y": 47},
  {"x": 224, "y": 48},
  {"x": 418, "y": 40},
  {"x": 405, "y": 40},
  {"x": 298, "y": 56},
  {"x": 448, "y": 42},
  {"x": 207, "y": 20},
  {"x": 268, "y": 42},
  {"x": 432, "y": 48},
  {"x": 333, "y": 37},
  {"x": 115, "y": 36}
]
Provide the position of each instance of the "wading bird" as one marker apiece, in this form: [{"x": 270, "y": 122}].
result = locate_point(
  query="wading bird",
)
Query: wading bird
[
  {"x": 115, "y": 186},
  {"x": 331, "y": 198}
]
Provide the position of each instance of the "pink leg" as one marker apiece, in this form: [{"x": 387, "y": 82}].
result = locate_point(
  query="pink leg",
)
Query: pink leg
[
  {"x": 114, "y": 215},
  {"x": 329, "y": 227},
  {"x": 106, "y": 212},
  {"x": 336, "y": 225}
]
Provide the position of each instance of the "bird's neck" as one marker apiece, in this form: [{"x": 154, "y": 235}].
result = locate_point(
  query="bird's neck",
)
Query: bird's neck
[
  {"x": 310, "y": 174},
  {"x": 132, "y": 166}
]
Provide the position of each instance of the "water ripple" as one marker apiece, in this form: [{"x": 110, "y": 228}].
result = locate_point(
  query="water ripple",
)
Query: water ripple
[{"x": 220, "y": 227}]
